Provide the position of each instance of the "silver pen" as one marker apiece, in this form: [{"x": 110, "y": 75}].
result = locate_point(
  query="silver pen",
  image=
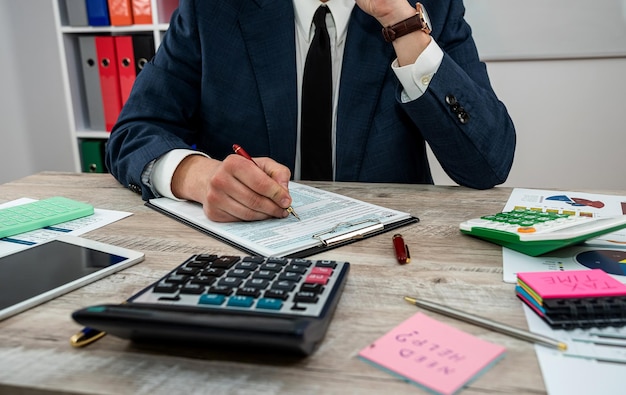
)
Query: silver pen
[{"x": 486, "y": 323}]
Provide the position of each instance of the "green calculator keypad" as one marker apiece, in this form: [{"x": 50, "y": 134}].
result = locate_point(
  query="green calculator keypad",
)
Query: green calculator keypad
[
  {"x": 536, "y": 232},
  {"x": 524, "y": 217},
  {"x": 41, "y": 213}
]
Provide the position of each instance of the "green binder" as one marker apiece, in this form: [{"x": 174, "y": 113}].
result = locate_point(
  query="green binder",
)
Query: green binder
[{"x": 92, "y": 156}]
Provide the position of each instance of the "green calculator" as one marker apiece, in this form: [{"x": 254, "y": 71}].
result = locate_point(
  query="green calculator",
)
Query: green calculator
[
  {"x": 534, "y": 232},
  {"x": 41, "y": 213}
]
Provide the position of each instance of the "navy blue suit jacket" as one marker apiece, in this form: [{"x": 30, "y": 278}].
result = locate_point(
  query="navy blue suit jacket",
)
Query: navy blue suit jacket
[{"x": 226, "y": 73}]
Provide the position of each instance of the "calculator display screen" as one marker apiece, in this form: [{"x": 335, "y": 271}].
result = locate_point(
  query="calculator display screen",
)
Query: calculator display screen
[{"x": 46, "y": 267}]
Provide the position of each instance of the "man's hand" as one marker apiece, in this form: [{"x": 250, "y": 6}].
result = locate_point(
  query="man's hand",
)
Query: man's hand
[
  {"x": 235, "y": 189},
  {"x": 389, "y": 12}
]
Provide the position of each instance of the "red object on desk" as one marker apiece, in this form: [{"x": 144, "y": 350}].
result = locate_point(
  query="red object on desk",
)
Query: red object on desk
[{"x": 402, "y": 250}]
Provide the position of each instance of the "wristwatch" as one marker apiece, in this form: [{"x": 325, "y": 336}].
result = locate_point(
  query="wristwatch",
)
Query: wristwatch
[{"x": 419, "y": 21}]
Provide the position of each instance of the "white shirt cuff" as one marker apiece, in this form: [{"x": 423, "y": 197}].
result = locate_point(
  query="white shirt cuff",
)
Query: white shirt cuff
[
  {"x": 164, "y": 168},
  {"x": 416, "y": 77}
]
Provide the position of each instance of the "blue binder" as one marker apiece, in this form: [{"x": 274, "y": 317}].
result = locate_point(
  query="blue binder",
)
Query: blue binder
[{"x": 98, "y": 12}]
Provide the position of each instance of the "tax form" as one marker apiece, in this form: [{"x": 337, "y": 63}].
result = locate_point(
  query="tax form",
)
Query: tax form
[{"x": 326, "y": 219}]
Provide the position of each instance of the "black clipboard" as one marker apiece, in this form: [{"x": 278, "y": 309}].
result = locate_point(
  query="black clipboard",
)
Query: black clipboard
[{"x": 350, "y": 235}]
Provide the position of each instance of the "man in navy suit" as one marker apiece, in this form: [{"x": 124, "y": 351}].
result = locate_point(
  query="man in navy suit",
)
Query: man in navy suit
[{"x": 230, "y": 71}]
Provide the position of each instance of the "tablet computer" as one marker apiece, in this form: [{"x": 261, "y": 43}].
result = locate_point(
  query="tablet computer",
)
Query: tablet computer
[{"x": 44, "y": 271}]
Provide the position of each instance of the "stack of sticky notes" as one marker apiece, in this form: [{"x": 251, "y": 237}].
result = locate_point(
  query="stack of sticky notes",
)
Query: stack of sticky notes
[
  {"x": 432, "y": 355},
  {"x": 575, "y": 298}
]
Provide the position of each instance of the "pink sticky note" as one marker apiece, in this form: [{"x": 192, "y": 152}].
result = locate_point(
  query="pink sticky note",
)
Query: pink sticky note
[
  {"x": 432, "y": 354},
  {"x": 573, "y": 284}
]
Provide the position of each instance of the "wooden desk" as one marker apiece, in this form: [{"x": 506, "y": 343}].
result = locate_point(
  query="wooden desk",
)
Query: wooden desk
[{"x": 446, "y": 266}]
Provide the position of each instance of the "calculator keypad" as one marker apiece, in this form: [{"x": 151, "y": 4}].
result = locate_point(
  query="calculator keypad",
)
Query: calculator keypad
[
  {"x": 528, "y": 221},
  {"x": 286, "y": 285},
  {"x": 41, "y": 213}
]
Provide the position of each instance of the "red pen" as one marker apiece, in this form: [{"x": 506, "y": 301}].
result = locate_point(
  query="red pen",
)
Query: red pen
[
  {"x": 402, "y": 250},
  {"x": 242, "y": 152}
]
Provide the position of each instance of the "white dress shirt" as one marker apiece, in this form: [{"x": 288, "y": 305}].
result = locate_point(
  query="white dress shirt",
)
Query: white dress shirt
[{"x": 414, "y": 79}]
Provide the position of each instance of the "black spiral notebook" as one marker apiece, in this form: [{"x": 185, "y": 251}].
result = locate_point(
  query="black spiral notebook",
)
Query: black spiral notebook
[{"x": 574, "y": 299}]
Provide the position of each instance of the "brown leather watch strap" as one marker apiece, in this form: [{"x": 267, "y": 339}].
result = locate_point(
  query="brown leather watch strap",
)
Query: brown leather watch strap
[{"x": 409, "y": 25}]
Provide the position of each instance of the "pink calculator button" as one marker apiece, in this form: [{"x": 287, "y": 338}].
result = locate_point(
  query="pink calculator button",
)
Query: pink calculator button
[
  {"x": 322, "y": 270},
  {"x": 316, "y": 279}
]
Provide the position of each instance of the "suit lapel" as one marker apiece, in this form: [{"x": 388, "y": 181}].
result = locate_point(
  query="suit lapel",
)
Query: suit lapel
[
  {"x": 269, "y": 33},
  {"x": 363, "y": 74}
]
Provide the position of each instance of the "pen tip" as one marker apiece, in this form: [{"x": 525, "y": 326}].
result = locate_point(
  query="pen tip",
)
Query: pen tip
[
  {"x": 293, "y": 212},
  {"x": 562, "y": 346},
  {"x": 410, "y": 300}
]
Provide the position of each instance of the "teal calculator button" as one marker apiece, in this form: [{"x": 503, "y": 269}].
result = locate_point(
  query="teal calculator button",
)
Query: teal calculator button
[
  {"x": 212, "y": 299},
  {"x": 269, "y": 304}
]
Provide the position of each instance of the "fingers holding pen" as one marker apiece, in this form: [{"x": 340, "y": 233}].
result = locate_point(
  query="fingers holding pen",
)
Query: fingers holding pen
[
  {"x": 235, "y": 189},
  {"x": 266, "y": 178},
  {"x": 241, "y": 190},
  {"x": 279, "y": 174}
]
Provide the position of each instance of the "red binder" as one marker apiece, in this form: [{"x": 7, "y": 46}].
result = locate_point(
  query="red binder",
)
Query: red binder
[
  {"x": 125, "y": 65},
  {"x": 109, "y": 81},
  {"x": 142, "y": 11},
  {"x": 120, "y": 12}
]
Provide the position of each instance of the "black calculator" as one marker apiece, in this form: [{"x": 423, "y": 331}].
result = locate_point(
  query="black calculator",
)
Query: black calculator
[{"x": 282, "y": 304}]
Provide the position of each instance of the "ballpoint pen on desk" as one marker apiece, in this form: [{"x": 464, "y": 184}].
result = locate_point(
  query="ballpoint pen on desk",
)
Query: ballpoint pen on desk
[
  {"x": 240, "y": 151},
  {"x": 401, "y": 249},
  {"x": 86, "y": 336},
  {"x": 488, "y": 324}
]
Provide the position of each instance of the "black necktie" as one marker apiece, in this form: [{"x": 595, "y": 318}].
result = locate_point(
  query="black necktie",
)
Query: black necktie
[{"x": 317, "y": 107}]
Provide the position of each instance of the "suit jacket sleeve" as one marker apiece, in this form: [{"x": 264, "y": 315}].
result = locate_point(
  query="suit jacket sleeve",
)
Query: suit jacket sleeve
[
  {"x": 162, "y": 111},
  {"x": 459, "y": 115}
]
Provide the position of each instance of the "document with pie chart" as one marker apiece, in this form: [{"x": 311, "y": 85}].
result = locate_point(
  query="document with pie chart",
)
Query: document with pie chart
[{"x": 607, "y": 252}]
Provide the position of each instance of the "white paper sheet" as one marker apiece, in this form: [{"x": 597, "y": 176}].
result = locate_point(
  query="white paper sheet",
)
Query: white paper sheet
[
  {"x": 587, "y": 367},
  {"x": 321, "y": 212},
  {"x": 595, "y": 362},
  {"x": 606, "y": 252},
  {"x": 75, "y": 227}
]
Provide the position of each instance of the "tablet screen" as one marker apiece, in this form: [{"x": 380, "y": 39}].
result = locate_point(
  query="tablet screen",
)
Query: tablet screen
[{"x": 34, "y": 271}]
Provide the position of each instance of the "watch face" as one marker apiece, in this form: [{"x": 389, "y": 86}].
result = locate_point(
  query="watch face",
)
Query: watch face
[{"x": 424, "y": 16}]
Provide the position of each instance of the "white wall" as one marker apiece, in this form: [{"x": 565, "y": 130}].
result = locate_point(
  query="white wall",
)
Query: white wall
[
  {"x": 540, "y": 29},
  {"x": 569, "y": 117},
  {"x": 14, "y": 150},
  {"x": 33, "y": 115},
  {"x": 558, "y": 66}
]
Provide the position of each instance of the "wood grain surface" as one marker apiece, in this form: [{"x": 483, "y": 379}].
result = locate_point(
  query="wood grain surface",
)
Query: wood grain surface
[{"x": 446, "y": 267}]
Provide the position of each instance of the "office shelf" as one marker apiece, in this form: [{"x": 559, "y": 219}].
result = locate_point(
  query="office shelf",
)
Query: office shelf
[{"x": 71, "y": 65}]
